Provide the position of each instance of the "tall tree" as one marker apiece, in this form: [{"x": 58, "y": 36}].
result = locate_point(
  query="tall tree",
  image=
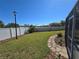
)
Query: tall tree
[
  {"x": 1, "y": 24},
  {"x": 62, "y": 23}
]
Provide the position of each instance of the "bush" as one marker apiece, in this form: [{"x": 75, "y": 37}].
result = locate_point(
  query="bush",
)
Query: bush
[
  {"x": 59, "y": 35},
  {"x": 31, "y": 29},
  {"x": 26, "y": 32}
]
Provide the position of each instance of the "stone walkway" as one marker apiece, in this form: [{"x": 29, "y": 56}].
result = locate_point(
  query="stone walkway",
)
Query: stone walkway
[{"x": 56, "y": 49}]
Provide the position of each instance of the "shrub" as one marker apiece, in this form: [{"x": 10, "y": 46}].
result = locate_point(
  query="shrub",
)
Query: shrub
[
  {"x": 59, "y": 35},
  {"x": 31, "y": 29},
  {"x": 26, "y": 32}
]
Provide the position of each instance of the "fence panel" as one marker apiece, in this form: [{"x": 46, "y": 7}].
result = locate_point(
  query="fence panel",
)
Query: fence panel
[{"x": 6, "y": 33}]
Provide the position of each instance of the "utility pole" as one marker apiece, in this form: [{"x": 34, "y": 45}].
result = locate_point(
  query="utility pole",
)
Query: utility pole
[{"x": 14, "y": 13}]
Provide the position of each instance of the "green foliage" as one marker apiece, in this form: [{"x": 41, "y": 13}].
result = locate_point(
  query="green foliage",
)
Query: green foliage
[
  {"x": 54, "y": 24},
  {"x": 26, "y": 25},
  {"x": 59, "y": 35},
  {"x": 11, "y": 25},
  {"x": 62, "y": 23},
  {"x": 60, "y": 39},
  {"x": 31, "y": 29},
  {"x": 1, "y": 24}
]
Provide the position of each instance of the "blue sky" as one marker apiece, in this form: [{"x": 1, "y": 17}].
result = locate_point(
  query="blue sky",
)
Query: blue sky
[{"x": 38, "y": 12}]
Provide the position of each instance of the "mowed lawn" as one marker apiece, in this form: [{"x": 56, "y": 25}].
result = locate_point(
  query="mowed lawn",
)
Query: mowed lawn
[{"x": 29, "y": 46}]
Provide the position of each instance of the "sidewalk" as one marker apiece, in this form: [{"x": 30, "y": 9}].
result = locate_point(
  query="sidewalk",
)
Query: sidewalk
[{"x": 56, "y": 48}]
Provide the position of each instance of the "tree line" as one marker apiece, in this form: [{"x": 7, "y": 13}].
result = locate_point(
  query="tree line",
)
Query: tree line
[
  {"x": 2, "y": 25},
  {"x": 61, "y": 23}
]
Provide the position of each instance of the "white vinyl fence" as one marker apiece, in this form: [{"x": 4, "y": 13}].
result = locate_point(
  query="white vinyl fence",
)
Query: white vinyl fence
[
  {"x": 6, "y": 33},
  {"x": 41, "y": 29}
]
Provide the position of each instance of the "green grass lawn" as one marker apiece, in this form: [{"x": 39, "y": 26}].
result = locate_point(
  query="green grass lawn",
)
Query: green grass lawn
[{"x": 30, "y": 46}]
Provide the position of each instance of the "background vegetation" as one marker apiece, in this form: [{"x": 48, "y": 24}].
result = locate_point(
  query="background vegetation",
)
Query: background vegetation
[{"x": 62, "y": 23}]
